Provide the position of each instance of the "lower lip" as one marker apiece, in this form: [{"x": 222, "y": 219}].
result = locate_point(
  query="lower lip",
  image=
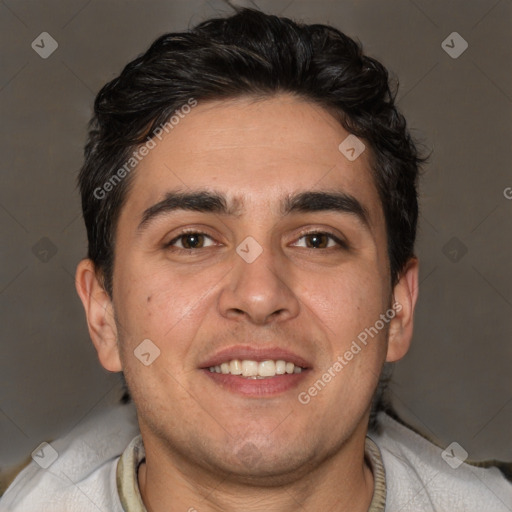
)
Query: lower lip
[{"x": 270, "y": 386}]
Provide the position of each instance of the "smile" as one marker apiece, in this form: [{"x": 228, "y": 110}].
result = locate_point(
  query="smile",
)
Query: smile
[{"x": 256, "y": 370}]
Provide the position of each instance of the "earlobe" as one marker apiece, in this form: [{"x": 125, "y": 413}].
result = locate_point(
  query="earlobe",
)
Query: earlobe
[
  {"x": 100, "y": 315},
  {"x": 405, "y": 295}
]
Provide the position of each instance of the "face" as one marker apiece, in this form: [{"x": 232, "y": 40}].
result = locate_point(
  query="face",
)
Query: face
[{"x": 248, "y": 236}]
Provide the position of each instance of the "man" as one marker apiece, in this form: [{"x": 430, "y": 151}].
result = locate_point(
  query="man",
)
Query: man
[{"x": 249, "y": 193}]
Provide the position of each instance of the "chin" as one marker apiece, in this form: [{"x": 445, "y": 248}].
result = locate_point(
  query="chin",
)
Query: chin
[{"x": 267, "y": 465}]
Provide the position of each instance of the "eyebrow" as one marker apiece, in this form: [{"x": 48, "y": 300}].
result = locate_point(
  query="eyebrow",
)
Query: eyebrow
[
  {"x": 340, "y": 202},
  {"x": 200, "y": 201},
  {"x": 212, "y": 202}
]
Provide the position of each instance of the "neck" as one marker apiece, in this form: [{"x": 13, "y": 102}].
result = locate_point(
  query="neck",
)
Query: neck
[{"x": 341, "y": 482}]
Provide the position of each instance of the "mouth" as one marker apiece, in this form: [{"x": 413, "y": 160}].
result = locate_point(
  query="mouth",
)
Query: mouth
[{"x": 255, "y": 372}]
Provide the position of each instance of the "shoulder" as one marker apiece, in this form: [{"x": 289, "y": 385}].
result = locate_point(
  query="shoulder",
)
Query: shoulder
[
  {"x": 78, "y": 471},
  {"x": 423, "y": 476}
]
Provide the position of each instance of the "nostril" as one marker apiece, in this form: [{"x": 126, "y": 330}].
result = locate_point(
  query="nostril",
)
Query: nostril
[{"x": 279, "y": 314}]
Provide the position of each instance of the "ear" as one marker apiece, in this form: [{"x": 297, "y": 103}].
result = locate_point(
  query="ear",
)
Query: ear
[
  {"x": 405, "y": 295},
  {"x": 100, "y": 315}
]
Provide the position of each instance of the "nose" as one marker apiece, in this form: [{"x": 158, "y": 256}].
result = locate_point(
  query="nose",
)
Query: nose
[{"x": 260, "y": 292}]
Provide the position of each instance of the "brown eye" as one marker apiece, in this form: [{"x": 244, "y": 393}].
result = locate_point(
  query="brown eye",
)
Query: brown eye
[
  {"x": 317, "y": 240},
  {"x": 191, "y": 241},
  {"x": 320, "y": 240}
]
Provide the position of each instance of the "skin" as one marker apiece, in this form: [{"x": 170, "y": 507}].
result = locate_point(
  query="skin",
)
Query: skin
[{"x": 207, "y": 447}]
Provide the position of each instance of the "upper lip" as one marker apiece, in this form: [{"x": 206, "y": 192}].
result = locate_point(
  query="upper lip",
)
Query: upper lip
[{"x": 252, "y": 353}]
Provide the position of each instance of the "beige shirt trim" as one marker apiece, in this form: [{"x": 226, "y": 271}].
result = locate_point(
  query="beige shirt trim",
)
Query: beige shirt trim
[
  {"x": 374, "y": 459},
  {"x": 127, "y": 481}
]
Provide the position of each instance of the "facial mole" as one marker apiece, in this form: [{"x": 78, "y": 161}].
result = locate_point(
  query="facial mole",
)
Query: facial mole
[{"x": 149, "y": 299}]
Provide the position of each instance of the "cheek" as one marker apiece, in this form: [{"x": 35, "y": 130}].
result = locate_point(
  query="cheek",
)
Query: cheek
[
  {"x": 162, "y": 305},
  {"x": 346, "y": 301},
  {"x": 157, "y": 307}
]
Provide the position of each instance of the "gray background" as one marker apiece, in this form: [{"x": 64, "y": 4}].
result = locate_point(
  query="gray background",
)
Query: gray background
[{"x": 455, "y": 383}]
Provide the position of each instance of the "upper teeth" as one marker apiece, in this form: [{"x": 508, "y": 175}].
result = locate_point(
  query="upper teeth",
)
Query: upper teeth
[{"x": 255, "y": 369}]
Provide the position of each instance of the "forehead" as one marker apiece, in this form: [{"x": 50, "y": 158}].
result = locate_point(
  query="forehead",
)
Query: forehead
[{"x": 256, "y": 152}]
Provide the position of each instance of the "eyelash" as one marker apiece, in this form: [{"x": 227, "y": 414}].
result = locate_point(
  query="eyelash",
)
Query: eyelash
[
  {"x": 168, "y": 245},
  {"x": 340, "y": 243}
]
